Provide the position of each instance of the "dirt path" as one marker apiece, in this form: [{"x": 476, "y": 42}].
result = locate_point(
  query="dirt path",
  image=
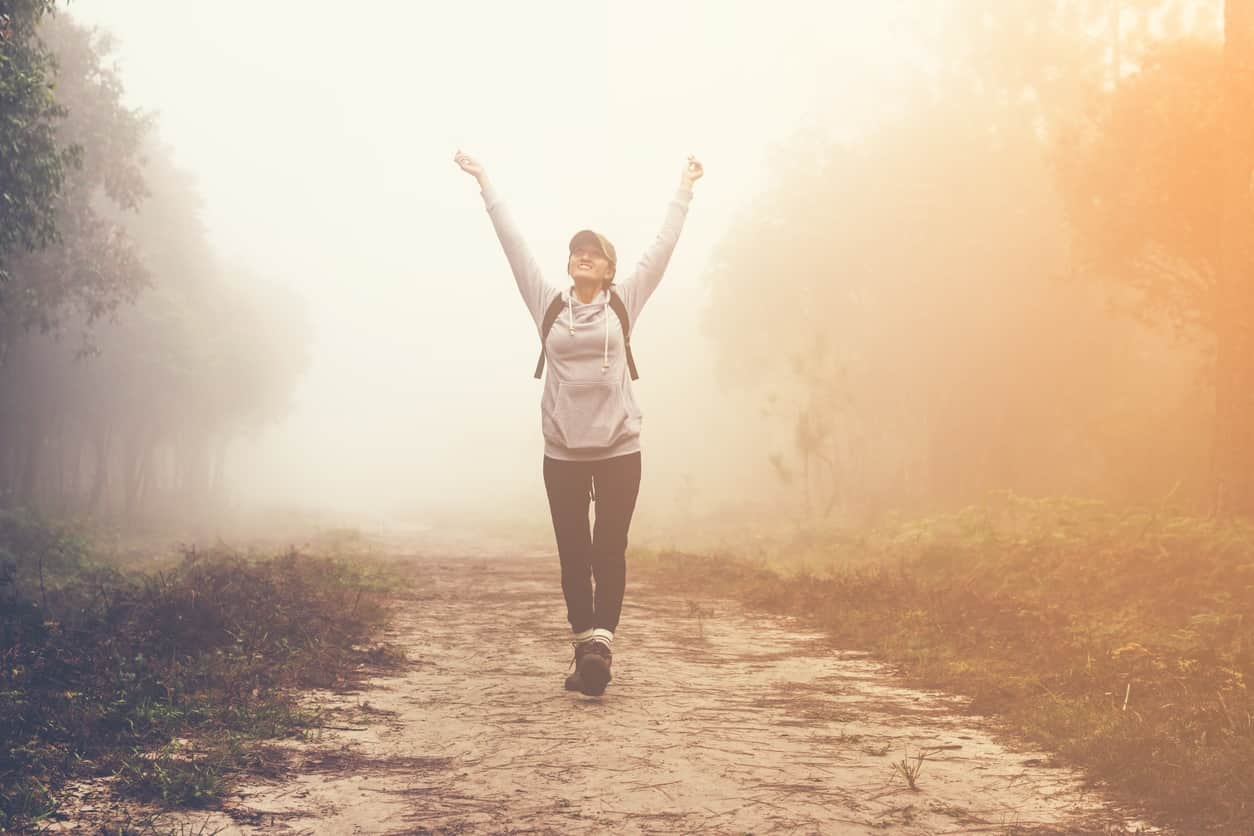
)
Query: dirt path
[{"x": 718, "y": 723}]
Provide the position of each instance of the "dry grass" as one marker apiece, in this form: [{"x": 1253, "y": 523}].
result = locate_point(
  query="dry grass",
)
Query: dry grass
[
  {"x": 109, "y": 672},
  {"x": 1122, "y": 639}
]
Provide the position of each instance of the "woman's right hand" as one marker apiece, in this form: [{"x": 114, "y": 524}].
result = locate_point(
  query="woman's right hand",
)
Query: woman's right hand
[{"x": 469, "y": 165}]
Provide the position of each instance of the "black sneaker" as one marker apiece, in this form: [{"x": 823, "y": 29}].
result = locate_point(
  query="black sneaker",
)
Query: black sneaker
[
  {"x": 592, "y": 666},
  {"x": 574, "y": 682}
]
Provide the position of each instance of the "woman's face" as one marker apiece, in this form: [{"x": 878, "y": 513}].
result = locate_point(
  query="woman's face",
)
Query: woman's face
[{"x": 588, "y": 263}]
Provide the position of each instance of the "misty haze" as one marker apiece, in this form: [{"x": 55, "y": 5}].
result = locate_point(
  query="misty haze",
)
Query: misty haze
[{"x": 890, "y": 467}]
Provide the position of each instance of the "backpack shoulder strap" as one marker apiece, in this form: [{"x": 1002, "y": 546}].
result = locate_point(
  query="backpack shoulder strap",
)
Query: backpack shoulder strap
[
  {"x": 550, "y": 316},
  {"x": 620, "y": 310}
]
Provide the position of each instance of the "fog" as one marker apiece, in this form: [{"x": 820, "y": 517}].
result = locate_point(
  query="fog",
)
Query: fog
[
  {"x": 932, "y": 256},
  {"x": 321, "y": 143}
]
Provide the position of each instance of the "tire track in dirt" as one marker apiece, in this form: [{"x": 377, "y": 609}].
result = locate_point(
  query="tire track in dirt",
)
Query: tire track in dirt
[{"x": 715, "y": 722}]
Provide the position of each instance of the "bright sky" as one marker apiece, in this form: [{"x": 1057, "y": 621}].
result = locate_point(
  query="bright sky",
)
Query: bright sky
[{"x": 323, "y": 139}]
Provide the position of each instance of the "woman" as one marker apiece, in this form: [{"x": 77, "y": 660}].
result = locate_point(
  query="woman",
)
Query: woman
[{"x": 589, "y": 417}]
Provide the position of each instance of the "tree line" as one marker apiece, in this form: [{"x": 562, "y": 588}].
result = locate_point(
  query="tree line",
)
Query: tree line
[
  {"x": 1035, "y": 274},
  {"x": 130, "y": 356}
]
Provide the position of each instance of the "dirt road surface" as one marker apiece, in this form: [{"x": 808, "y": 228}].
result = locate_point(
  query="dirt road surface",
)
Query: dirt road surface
[{"x": 717, "y": 721}]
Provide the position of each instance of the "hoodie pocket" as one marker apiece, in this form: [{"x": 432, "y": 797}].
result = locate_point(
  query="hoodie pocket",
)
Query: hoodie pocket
[{"x": 589, "y": 415}]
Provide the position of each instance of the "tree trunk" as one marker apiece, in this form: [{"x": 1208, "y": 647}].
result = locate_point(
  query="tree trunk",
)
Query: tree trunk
[
  {"x": 57, "y": 497},
  {"x": 7, "y": 459},
  {"x": 76, "y": 473},
  {"x": 100, "y": 478},
  {"x": 31, "y": 463},
  {"x": 1233, "y": 453},
  {"x": 132, "y": 468},
  {"x": 217, "y": 482}
]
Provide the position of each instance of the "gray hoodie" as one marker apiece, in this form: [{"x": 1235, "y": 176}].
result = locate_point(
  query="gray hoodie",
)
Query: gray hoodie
[{"x": 588, "y": 411}]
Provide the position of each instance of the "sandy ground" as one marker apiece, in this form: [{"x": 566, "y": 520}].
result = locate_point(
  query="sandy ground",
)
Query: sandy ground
[{"x": 716, "y": 721}]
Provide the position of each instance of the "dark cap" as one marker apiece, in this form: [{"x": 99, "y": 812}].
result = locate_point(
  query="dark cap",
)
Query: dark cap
[{"x": 587, "y": 236}]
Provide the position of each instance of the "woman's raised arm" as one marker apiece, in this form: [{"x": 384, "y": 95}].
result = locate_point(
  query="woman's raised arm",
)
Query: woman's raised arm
[
  {"x": 639, "y": 286},
  {"x": 536, "y": 292}
]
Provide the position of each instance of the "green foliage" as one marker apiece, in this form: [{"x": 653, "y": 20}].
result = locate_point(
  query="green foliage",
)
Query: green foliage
[
  {"x": 176, "y": 354},
  {"x": 173, "y": 777},
  {"x": 32, "y": 164},
  {"x": 93, "y": 267},
  {"x": 1121, "y": 638},
  {"x": 100, "y": 670}
]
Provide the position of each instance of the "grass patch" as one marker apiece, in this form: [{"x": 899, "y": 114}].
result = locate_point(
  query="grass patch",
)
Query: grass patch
[
  {"x": 106, "y": 671},
  {"x": 1122, "y": 639}
]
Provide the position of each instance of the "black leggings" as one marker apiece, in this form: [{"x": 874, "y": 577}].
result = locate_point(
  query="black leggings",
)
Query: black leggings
[{"x": 601, "y": 552}]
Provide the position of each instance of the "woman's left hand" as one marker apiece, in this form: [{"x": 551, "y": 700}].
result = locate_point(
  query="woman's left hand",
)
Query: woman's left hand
[{"x": 693, "y": 170}]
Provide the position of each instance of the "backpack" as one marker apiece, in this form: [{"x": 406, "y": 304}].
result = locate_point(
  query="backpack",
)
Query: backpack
[{"x": 616, "y": 305}]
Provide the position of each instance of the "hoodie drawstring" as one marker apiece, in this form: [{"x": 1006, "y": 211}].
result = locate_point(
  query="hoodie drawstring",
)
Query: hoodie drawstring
[{"x": 605, "y": 314}]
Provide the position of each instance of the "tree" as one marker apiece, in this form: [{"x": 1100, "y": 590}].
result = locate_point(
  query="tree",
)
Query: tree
[
  {"x": 32, "y": 165},
  {"x": 1157, "y": 183},
  {"x": 183, "y": 355},
  {"x": 143, "y": 424},
  {"x": 1234, "y": 372},
  {"x": 902, "y": 300},
  {"x": 93, "y": 267}
]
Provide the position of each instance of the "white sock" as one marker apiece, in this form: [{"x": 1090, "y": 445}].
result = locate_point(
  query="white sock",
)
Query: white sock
[
  {"x": 584, "y": 635},
  {"x": 600, "y": 634}
]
